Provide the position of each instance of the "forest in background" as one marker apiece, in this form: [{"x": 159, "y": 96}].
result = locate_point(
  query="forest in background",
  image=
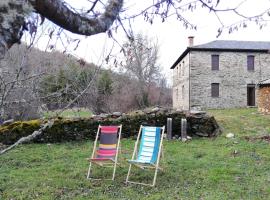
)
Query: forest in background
[{"x": 33, "y": 82}]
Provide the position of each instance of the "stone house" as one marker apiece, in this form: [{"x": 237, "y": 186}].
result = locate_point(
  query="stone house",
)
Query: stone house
[
  {"x": 220, "y": 74},
  {"x": 264, "y": 96}
]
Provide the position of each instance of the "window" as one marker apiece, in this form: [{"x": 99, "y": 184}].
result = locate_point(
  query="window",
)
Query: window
[
  {"x": 215, "y": 89},
  {"x": 179, "y": 72},
  {"x": 183, "y": 71},
  {"x": 215, "y": 62},
  {"x": 175, "y": 72},
  {"x": 183, "y": 91},
  {"x": 250, "y": 63}
]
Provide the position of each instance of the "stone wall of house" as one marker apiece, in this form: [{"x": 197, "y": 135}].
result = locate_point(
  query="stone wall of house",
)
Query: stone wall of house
[
  {"x": 264, "y": 99},
  {"x": 181, "y": 85},
  {"x": 232, "y": 76}
]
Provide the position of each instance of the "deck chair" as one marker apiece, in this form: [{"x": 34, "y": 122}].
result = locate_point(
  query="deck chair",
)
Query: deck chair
[
  {"x": 149, "y": 151},
  {"x": 107, "y": 152}
]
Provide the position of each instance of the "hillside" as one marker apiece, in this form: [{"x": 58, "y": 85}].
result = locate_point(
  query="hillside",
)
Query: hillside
[{"x": 34, "y": 82}]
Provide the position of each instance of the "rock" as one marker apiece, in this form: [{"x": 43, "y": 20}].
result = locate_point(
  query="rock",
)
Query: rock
[
  {"x": 7, "y": 122},
  {"x": 189, "y": 138},
  {"x": 103, "y": 115},
  {"x": 184, "y": 139},
  {"x": 235, "y": 152},
  {"x": 204, "y": 126},
  {"x": 202, "y": 134},
  {"x": 162, "y": 111},
  {"x": 152, "y": 111},
  {"x": 138, "y": 112},
  {"x": 197, "y": 113},
  {"x": 116, "y": 114},
  {"x": 230, "y": 135},
  {"x": 196, "y": 108},
  {"x": 179, "y": 110},
  {"x": 156, "y": 109}
]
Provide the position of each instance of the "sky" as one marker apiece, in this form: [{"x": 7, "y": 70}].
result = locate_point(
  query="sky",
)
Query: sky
[{"x": 171, "y": 35}]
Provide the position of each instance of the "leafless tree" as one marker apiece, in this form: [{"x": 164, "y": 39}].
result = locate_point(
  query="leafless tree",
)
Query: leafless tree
[
  {"x": 32, "y": 81},
  {"x": 17, "y": 83},
  {"x": 99, "y": 17},
  {"x": 165, "y": 93},
  {"x": 123, "y": 97},
  {"x": 141, "y": 63}
]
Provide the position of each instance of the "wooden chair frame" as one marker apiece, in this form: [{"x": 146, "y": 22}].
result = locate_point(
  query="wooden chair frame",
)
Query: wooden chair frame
[
  {"x": 145, "y": 165},
  {"x": 107, "y": 162}
]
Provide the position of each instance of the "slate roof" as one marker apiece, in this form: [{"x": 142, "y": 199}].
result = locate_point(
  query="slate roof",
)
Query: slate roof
[
  {"x": 229, "y": 46},
  {"x": 234, "y": 44},
  {"x": 265, "y": 82}
]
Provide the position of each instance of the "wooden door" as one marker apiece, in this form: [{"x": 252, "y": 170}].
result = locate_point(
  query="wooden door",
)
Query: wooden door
[{"x": 250, "y": 95}]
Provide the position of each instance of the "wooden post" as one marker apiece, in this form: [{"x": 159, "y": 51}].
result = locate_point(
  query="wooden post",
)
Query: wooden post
[
  {"x": 183, "y": 128},
  {"x": 169, "y": 128}
]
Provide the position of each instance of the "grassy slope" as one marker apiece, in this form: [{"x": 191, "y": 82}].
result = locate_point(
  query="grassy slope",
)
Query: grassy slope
[{"x": 201, "y": 169}]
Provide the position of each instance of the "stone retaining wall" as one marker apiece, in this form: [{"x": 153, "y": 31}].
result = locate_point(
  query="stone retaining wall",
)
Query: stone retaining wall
[{"x": 198, "y": 123}]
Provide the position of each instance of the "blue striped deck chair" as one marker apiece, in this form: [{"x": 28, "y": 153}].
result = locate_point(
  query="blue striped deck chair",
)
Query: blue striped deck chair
[
  {"x": 149, "y": 153},
  {"x": 106, "y": 154}
]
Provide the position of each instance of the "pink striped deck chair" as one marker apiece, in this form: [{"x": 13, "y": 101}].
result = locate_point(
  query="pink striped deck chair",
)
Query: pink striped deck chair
[{"x": 107, "y": 152}]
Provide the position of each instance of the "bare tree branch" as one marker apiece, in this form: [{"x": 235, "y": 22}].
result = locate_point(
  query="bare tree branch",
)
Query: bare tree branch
[
  {"x": 57, "y": 12},
  {"x": 92, "y": 7},
  {"x": 13, "y": 13}
]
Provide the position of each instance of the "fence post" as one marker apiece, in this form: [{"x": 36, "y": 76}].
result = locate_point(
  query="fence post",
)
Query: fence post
[
  {"x": 183, "y": 129},
  {"x": 169, "y": 128}
]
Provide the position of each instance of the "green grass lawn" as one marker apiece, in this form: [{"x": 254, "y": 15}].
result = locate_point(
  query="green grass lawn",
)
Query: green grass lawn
[{"x": 203, "y": 168}]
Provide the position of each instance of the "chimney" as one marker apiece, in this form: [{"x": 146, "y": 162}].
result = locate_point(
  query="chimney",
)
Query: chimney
[{"x": 190, "y": 41}]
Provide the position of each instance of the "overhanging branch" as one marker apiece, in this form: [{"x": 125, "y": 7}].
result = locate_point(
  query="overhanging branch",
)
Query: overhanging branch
[{"x": 57, "y": 12}]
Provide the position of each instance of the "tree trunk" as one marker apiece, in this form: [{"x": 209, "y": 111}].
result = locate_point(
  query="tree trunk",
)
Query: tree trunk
[
  {"x": 12, "y": 16},
  {"x": 13, "y": 13}
]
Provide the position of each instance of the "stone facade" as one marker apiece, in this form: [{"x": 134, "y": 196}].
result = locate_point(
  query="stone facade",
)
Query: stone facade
[
  {"x": 193, "y": 87},
  {"x": 181, "y": 85}
]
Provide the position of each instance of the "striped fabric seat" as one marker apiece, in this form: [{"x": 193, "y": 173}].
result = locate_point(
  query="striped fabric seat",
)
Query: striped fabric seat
[
  {"x": 149, "y": 145},
  {"x": 108, "y": 143},
  {"x": 105, "y": 152},
  {"x": 148, "y": 155}
]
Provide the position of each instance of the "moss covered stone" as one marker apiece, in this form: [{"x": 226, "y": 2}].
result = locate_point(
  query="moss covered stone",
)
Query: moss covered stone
[{"x": 81, "y": 129}]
